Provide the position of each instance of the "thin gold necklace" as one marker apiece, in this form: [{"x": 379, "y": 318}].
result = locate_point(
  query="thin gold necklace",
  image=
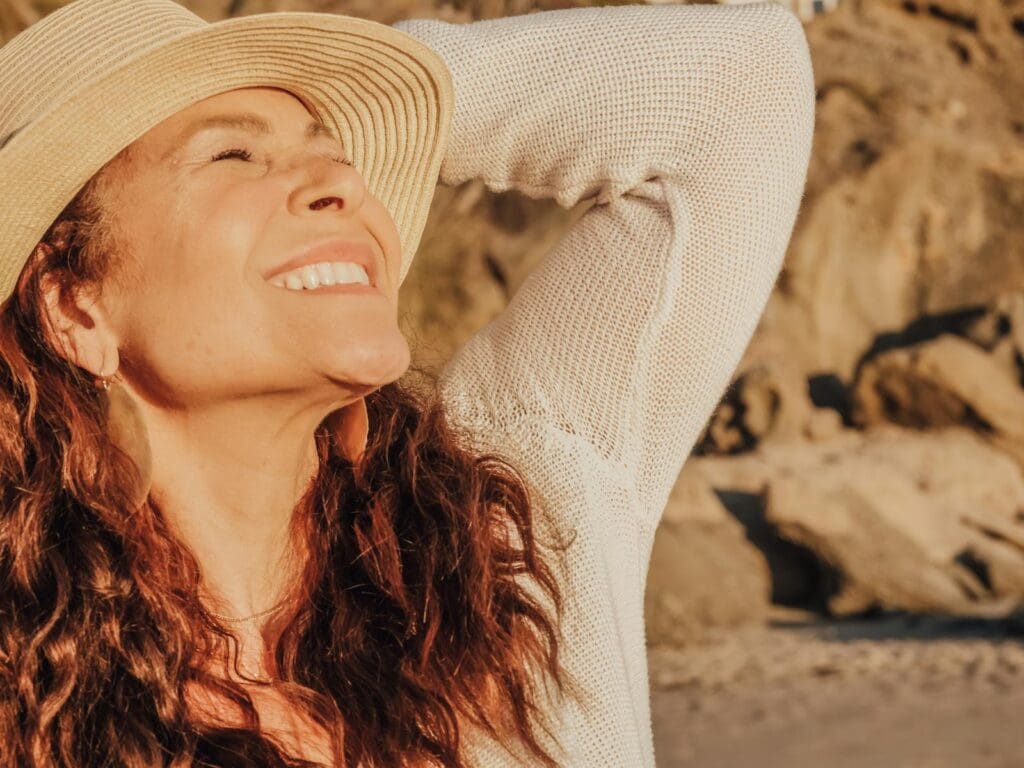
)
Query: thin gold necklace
[{"x": 246, "y": 618}]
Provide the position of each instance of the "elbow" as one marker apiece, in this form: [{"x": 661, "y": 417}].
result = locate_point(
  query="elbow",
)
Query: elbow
[
  {"x": 773, "y": 109},
  {"x": 798, "y": 68},
  {"x": 783, "y": 55},
  {"x": 753, "y": 74}
]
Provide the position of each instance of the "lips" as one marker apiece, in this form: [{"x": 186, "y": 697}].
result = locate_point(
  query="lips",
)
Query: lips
[{"x": 335, "y": 249}]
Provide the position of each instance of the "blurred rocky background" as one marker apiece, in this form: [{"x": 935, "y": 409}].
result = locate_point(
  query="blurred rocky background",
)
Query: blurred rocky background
[{"x": 838, "y": 578}]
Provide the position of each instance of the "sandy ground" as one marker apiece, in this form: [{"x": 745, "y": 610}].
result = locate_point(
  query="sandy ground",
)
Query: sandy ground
[{"x": 895, "y": 692}]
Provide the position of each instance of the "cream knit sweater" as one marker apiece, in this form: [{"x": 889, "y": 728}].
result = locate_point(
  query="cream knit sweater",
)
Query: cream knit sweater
[{"x": 691, "y": 124}]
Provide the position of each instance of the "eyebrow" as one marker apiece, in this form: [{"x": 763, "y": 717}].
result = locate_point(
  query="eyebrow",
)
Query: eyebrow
[{"x": 246, "y": 121}]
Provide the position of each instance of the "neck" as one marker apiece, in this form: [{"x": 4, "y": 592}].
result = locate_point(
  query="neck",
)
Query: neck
[{"x": 229, "y": 480}]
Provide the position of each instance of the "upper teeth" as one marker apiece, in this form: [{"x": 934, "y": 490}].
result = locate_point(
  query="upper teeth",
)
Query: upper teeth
[{"x": 324, "y": 273}]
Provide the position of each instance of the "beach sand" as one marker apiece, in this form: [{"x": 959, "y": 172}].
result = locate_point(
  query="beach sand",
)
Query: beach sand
[{"x": 895, "y": 692}]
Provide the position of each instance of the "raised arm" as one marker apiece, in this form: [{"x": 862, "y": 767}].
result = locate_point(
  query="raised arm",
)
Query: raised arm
[{"x": 691, "y": 125}]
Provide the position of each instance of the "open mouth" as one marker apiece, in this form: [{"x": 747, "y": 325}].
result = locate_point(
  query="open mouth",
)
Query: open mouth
[
  {"x": 335, "y": 265},
  {"x": 331, "y": 277}
]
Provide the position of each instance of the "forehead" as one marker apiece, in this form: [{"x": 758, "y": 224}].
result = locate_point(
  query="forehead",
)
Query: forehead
[{"x": 256, "y": 110}]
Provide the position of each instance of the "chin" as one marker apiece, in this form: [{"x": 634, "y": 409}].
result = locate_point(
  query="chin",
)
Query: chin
[{"x": 374, "y": 365}]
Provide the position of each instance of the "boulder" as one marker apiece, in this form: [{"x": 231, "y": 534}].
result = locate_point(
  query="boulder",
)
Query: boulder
[
  {"x": 893, "y": 518},
  {"x": 704, "y": 573},
  {"x": 949, "y": 380},
  {"x": 768, "y": 401}
]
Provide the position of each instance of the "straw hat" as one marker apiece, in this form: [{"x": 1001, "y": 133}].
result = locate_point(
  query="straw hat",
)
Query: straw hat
[{"x": 87, "y": 80}]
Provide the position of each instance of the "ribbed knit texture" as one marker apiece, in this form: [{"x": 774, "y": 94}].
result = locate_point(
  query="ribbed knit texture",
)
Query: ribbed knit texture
[{"x": 692, "y": 126}]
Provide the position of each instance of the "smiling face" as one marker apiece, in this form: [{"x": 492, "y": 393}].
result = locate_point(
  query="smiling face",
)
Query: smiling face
[{"x": 205, "y": 216}]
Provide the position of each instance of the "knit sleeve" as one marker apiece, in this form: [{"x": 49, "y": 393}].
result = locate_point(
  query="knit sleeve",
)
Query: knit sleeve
[{"x": 690, "y": 127}]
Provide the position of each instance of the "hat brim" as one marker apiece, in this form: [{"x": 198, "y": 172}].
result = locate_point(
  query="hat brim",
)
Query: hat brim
[{"x": 388, "y": 96}]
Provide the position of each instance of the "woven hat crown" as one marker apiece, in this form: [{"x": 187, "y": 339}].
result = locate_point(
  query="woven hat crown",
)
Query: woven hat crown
[
  {"x": 63, "y": 52},
  {"x": 90, "y": 78}
]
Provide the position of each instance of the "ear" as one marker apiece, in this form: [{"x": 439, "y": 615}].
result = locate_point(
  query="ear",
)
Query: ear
[
  {"x": 350, "y": 428},
  {"x": 79, "y": 329}
]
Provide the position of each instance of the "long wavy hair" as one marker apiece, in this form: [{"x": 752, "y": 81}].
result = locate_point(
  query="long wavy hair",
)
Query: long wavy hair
[{"x": 425, "y": 601}]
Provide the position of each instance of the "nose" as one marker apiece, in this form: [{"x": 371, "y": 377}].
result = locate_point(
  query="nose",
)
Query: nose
[{"x": 326, "y": 183}]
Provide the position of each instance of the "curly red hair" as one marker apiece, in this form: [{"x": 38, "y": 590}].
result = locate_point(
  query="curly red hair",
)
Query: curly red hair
[{"x": 416, "y": 616}]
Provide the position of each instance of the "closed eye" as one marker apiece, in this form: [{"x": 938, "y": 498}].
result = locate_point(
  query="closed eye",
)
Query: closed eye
[{"x": 244, "y": 154}]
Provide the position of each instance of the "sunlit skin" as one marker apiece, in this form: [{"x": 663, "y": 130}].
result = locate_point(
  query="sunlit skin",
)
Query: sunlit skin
[{"x": 231, "y": 373}]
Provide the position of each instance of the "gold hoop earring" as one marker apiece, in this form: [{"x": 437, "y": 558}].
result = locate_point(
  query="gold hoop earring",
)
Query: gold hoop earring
[
  {"x": 127, "y": 430},
  {"x": 350, "y": 429}
]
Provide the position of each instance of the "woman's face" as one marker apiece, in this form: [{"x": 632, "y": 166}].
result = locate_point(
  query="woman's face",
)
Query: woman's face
[{"x": 199, "y": 226}]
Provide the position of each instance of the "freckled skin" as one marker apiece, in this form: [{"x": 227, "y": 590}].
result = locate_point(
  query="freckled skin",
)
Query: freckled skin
[
  {"x": 231, "y": 374},
  {"x": 198, "y": 316}
]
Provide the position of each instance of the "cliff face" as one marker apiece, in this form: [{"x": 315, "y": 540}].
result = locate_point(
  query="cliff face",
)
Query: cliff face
[
  {"x": 869, "y": 453},
  {"x": 877, "y": 416},
  {"x": 914, "y": 197}
]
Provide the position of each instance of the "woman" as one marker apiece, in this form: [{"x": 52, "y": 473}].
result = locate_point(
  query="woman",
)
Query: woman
[{"x": 258, "y": 545}]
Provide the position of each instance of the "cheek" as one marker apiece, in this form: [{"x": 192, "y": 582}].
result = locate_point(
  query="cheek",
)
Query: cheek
[
  {"x": 224, "y": 226},
  {"x": 191, "y": 266},
  {"x": 382, "y": 227}
]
